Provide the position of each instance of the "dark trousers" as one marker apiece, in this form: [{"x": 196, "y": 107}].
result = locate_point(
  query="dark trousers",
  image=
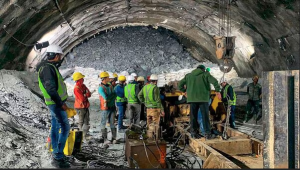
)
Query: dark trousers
[
  {"x": 121, "y": 110},
  {"x": 250, "y": 104},
  {"x": 232, "y": 115},
  {"x": 194, "y": 117}
]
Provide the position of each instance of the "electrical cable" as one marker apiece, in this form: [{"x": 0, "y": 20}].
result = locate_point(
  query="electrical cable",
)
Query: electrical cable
[
  {"x": 61, "y": 13},
  {"x": 27, "y": 45},
  {"x": 148, "y": 156}
]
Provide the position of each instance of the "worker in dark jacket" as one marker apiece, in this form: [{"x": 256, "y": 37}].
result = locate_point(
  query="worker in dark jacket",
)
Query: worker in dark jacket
[
  {"x": 254, "y": 95},
  {"x": 121, "y": 102},
  {"x": 198, "y": 91},
  {"x": 229, "y": 99},
  {"x": 55, "y": 94}
]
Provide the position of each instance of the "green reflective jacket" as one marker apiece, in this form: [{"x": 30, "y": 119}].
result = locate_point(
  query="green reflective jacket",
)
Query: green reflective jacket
[
  {"x": 62, "y": 89},
  {"x": 150, "y": 96},
  {"x": 230, "y": 102},
  {"x": 129, "y": 92}
]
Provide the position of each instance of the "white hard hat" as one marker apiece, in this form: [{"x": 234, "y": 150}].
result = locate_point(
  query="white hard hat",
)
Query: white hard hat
[
  {"x": 133, "y": 74},
  {"x": 54, "y": 49},
  {"x": 180, "y": 97},
  {"x": 153, "y": 77},
  {"x": 130, "y": 78},
  {"x": 223, "y": 80},
  {"x": 111, "y": 75}
]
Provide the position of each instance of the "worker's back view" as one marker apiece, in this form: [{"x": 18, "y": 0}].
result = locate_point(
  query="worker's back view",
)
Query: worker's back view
[{"x": 198, "y": 92}]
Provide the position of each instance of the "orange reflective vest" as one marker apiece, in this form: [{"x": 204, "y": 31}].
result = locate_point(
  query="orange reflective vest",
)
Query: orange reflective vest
[{"x": 103, "y": 102}]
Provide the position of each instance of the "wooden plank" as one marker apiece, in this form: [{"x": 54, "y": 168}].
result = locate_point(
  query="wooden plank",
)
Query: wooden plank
[
  {"x": 214, "y": 158},
  {"x": 257, "y": 145},
  {"x": 232, "y": 132},
  {"x": 232, "y": 146}
]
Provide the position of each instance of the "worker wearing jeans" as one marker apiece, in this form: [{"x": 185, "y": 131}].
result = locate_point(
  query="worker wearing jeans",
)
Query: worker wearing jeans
[
  {"x": 59, "y": 119},
  {"x": 121, "y": 102},
  {"x": 55, "y": 94},
  {"x": 107, "y": 98},
  {"x": 196, "y": 85}
]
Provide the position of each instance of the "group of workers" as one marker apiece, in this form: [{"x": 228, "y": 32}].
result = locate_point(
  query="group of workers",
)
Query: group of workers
[
  {"x": 199, "y": 99},
  {"x": 133, "y": 95},
  {"x": 117, "y": 95}
]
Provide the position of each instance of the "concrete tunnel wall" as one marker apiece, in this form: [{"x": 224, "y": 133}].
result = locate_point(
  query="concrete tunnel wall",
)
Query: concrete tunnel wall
[{"x": 257, "y": 25}]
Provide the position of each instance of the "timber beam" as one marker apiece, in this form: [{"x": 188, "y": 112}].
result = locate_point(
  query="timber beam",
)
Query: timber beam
[{"x": 213, "y": 159}]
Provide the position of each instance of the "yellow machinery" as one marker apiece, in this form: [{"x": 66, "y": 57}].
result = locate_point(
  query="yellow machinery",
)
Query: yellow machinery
[
  {"x": 74, "y": 140},
  {"x": 217, "y": 111}
]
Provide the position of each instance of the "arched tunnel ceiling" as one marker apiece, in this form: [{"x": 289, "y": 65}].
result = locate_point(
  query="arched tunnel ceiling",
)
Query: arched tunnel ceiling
[{"x": 258, "y": 25}]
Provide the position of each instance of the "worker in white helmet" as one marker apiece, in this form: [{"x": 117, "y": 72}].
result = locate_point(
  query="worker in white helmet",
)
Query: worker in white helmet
[
  {"x": 135, "y": 76},
  {"x": 150, "y": 95},
  {"x": 55, "y": 94},
  {"x": 131, "y": 91}
]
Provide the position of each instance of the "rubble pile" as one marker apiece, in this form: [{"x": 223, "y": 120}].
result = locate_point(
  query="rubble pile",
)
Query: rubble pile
[
  {"x": 24, "y": 124},
  {"x": 143, "y": 50}
]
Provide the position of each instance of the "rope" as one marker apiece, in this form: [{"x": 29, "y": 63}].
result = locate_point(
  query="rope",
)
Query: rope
[{"x": 227, "y": 117}]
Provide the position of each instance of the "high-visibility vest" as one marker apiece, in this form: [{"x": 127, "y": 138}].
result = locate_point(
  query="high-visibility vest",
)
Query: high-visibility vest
[
  {"x": 103, "y": 102},
  {"x": 62, "y": 89},
  {"x": 120, "y": 99},
  {"x": 148, "y": 92},
  {"x": 130, "y": 93},
  {"x": 230, "y": 102}
]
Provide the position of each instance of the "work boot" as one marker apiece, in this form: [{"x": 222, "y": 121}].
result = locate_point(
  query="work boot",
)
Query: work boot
[
  {"x": 121, "y": 130},
  {"x": 85, "y": 134},
  {"x": 60, "y": 163},
  {"x": 114, "y": 135},
  {"x": 103, "y": 135},
  {"x": 210, "y": 136}
]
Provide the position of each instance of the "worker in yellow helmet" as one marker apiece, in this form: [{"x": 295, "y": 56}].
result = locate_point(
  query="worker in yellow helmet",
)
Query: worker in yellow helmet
[
  {"x": 107, "y": 98},
  {"x": 121, "y": 102},
  {"x": 82, "y": 93},
  {"x": 115, "y": 76},
  {"x": 112, "y": 79}
]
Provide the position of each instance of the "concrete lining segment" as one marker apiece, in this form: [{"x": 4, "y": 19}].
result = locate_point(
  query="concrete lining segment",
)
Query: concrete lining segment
[{"x": 275, "y": 116}]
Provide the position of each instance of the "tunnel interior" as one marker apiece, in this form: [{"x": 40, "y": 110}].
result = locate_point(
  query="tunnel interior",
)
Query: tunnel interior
[
  {"x": 166, "y": 37},
  {"x": 267, "y": 32}
]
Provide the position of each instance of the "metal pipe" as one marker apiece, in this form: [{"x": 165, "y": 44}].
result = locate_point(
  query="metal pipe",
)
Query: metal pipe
[{"x": 291, "y": 123}]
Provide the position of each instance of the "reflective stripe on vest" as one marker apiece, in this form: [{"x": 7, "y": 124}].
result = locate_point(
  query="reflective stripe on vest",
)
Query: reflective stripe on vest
[
  {"x": 230, "y": 102},
  {"x": 130, "y": 94},
  {"x": 120, "y": 99},
  {"x": 148, "y": 91},
  {"x": 62, "y": 89}
]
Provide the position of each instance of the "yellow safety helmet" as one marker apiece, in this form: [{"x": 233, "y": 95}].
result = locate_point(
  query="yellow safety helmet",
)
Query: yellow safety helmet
[
  {"x": 77, "y": 76},
  {"x": 122, "y": 78},
  {"x": 103, "y": 74},
  {"x": 115, "y": 75}
]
